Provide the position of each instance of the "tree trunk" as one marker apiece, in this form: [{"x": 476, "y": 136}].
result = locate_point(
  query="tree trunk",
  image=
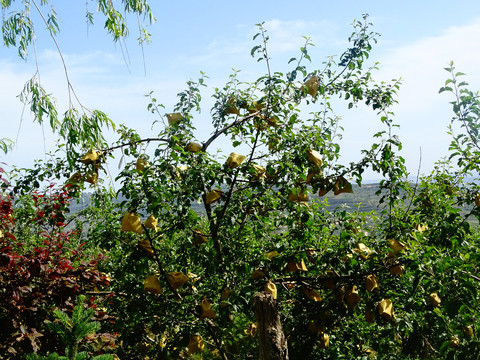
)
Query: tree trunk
[{"x": 272, "y": 341}]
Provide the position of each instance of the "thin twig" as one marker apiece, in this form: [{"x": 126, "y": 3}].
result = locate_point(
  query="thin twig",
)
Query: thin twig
[
  {"x": 416, "y": 184},
  {"x": 135, "y": 143},
  {"x": 159, "y": 263},
  {"x": 223, "y": 130},
  {"x": 69, "y": 84}
]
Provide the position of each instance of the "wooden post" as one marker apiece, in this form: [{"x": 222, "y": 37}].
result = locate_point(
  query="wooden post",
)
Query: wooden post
[{"x": 272, "y": 341}]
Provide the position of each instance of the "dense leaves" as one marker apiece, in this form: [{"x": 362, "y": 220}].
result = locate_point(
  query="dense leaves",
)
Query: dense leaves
[
  {"x": 43, "y": 267},
  {"x": 192, "y": 235}
]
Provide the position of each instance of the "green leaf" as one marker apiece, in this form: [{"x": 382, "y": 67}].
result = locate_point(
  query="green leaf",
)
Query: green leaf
[
  {"x": 254, "y": 50},
  {"x": 5, "y": 144}
]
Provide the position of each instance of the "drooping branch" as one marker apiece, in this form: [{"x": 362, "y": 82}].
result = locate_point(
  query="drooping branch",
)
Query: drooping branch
[{"x": 52, "y": 35}]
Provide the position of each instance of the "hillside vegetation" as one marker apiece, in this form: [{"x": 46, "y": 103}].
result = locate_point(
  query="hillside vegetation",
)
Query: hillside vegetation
[{"x": 272, "y": 251}]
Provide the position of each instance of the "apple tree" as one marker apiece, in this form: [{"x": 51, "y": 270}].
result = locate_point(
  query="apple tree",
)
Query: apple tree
[{"x": 210, "y": 252}]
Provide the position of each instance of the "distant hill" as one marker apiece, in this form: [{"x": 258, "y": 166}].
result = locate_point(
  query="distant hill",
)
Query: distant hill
[
  {"x": 80, "y": 203},
  {"x": 364, "y": 198}
]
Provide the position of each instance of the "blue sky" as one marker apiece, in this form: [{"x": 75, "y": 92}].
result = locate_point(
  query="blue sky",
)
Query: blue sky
[{"x": 418, "y": 39}]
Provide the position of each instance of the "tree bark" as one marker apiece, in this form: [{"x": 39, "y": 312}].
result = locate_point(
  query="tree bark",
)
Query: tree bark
[{"x": 272, "y": 341}]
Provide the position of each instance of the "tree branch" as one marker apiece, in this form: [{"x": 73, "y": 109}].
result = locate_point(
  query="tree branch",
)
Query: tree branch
[{"x": 223, "y": 130}]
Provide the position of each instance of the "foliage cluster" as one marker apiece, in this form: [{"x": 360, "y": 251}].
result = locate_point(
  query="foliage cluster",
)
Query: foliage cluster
[
  {"x": 400, "y": 282},
  {"x": 43, "y": 266}
]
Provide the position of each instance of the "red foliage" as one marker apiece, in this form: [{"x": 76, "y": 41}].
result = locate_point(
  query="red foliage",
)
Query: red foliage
[{"x": 38, "y": 276}]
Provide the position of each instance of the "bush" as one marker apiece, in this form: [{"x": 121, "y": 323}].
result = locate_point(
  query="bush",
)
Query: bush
[{"x": 43, "y": 267}]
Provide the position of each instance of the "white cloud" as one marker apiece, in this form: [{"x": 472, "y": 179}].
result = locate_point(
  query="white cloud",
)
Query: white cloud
[
  {"x": 423, "y": 113},
  {"x": 101, "y": 80},
  {"x": 288, "y": 36},
  {"x": 225, "y": 52}
]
